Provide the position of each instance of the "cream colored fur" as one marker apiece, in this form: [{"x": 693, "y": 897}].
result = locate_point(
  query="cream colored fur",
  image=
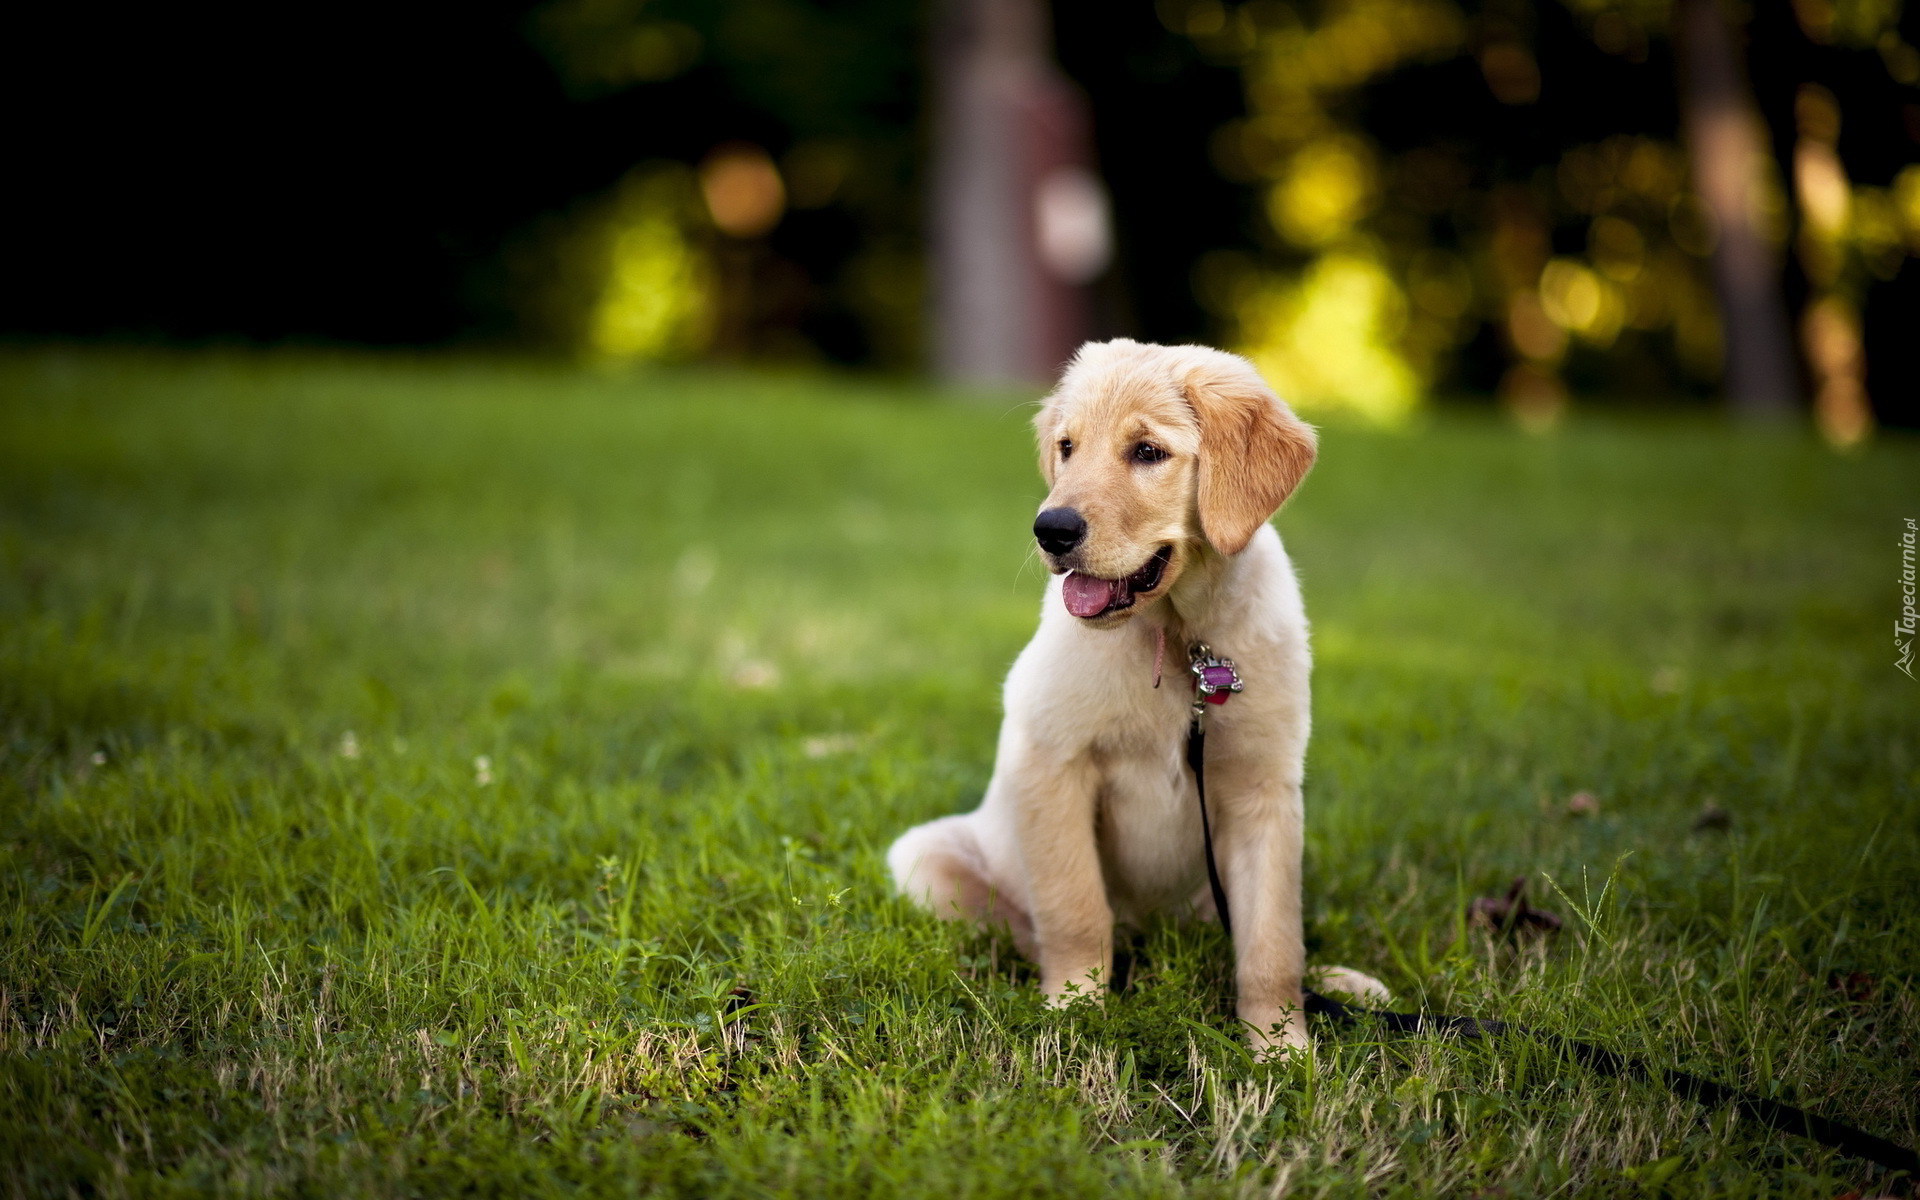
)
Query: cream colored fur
[{"x": 1090, "y": 819}]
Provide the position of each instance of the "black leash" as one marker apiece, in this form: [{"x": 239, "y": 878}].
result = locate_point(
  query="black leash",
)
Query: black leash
[
  {"x": 1601, "y": 1061},
  {"x": 1214, "y": 679},
  {"x": 1197, "y": 759}
]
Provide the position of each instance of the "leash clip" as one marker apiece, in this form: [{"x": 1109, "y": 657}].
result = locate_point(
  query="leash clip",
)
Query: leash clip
[{"x": 1214, "y": 679}]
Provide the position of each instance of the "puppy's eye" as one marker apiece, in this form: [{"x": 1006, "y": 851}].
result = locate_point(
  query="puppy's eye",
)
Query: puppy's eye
[
  {"x": 1147, "y": 452},
  {"x": 1066, "y": 449}
]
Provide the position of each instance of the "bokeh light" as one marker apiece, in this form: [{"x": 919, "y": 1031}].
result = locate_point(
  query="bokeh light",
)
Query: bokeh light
[
  {"x": 1587, "y": 256},
  {"x": 1074, "y": 224},
  {"x": 743, "y": 190},
  {"x": 656, "y": 294},
  {"x": 1327, "y": 341},
  {"x": 1500, "y": 200}
]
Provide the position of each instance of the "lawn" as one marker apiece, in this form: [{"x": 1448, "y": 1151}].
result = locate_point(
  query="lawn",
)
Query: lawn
[{"x": 428, "y": 776}]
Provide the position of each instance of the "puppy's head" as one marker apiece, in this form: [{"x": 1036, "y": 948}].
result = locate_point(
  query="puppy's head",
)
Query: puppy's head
[{"x": 1151, "y": 452}]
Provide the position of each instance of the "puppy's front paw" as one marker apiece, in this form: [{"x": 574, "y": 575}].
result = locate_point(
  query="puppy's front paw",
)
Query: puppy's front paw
[
  {"x": 1275, "y": 1033},
  {"x": 1067, "y": 992}
]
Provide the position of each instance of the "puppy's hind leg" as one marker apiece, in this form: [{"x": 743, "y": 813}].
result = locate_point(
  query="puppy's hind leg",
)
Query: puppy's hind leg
[
  {"x": 1345, "y": 983},
  {"x": 940, "y": 867}
]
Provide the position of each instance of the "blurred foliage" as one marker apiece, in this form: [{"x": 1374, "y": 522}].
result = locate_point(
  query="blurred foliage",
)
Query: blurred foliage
[
  {"x": 1444, "y": 195},
  {"x": 657, "y": 298},
  {"x": 655, "y": 269},
  {"x": 1381, "y": 198},
  {"x": 829, "y": 68},
  {"x": 623, "y": 276},
  {"x": 1445, "y": 180},
  {"x": 1848, "y": 237}
]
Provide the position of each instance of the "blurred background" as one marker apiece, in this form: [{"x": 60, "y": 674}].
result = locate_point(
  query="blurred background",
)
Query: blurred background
[{"x": 1385, "y": 202}]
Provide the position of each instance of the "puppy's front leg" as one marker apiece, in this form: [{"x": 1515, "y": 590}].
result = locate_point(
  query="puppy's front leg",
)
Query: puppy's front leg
[
  {"x": 1072, "y": 921},
  {"x": 1257, "y": 843}
]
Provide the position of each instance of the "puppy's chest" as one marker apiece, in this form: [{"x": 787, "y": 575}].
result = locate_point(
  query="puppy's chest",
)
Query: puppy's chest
[{"x": 1147, "y": 817}]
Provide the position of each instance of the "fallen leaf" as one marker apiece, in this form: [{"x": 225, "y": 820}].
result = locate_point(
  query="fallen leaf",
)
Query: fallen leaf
[
  {"x": 1713, "y": 817},
  {"x": 1856, "y": 987},
  {"x": 1511, "y": 914}
]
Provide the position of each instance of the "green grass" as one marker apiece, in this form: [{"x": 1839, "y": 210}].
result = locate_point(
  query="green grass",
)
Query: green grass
[{"x": 268, "y": 928}]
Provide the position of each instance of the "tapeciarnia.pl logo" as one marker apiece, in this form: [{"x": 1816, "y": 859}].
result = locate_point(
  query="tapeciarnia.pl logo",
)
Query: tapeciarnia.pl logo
[{"x": 1904, "y": 627}]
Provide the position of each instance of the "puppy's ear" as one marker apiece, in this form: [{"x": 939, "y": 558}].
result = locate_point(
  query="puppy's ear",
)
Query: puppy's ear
[
  {"x": 1253, "y": 450},
  {"x": 1046, "y": 427}
]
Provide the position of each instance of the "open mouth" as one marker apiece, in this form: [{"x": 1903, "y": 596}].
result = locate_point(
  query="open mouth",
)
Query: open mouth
[{"x": 1092, "y": 596}]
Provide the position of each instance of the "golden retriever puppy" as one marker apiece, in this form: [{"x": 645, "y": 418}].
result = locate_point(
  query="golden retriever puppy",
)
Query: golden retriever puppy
[{"x": 1164, "y": 464}]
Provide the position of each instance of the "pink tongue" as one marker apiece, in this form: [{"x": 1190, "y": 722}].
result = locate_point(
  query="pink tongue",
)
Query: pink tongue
[{"x": 1089, "y": 595}]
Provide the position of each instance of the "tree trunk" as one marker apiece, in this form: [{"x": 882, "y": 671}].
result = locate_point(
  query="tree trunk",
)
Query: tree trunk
[
  {"x": 1008, "y": 128},
  {"x": 1729, "y": 158}
]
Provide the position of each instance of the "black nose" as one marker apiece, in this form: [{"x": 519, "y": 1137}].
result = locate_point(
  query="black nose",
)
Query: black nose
[{"x": 1059, "y": 530}]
